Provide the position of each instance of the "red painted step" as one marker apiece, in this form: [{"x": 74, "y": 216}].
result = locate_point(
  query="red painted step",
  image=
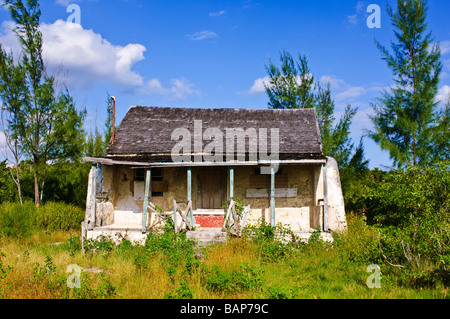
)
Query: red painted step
[{"x": 209, "y": 221}]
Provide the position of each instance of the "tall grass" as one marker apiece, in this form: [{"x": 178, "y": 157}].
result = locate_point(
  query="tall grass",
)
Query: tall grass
[
  {"x": 169, "y": 266},
  {"x": 22, "y": 221}
]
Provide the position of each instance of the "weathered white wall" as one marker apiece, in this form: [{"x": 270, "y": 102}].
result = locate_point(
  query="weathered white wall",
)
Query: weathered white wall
[{"x": 336, "y": 206}]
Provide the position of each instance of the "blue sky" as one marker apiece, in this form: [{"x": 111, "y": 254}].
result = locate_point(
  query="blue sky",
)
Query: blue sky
[{"x": 213, "y": 53}]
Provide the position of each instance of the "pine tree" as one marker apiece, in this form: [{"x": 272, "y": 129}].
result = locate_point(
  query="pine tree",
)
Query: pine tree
[
  {"x": 292, "y": 86},
  {"x": 405, "y": 117},
  {"x": 108, "y": 123},
  {"x": 48, "y": 126}
]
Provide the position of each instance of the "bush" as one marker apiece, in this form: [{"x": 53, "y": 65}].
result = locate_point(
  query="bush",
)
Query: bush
[
  {"x": 22, "y": 221},
  {"x": 17, "y": 220},
  {"x": 359, "y": 243},
  {"x": 274, "y": 243},
  {"x": 174, "y": 248},
  {"x": 412, "y": 209},
  {"x": 243, "y": 278},
  {"x": 59, "y": 216}
]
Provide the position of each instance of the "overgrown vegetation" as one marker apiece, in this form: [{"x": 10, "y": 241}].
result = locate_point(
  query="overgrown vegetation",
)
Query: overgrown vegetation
[
  {"x": 262, "y": 264},
  {"x": 22, "y": 221}
]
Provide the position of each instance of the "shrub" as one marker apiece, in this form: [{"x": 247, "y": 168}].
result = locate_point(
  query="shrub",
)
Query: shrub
[
  {"x": 273, "y": 243},
  {"x": 412, "y": 207},
  {"x": 359, "y": 243},
  {"x": 22, "y": 221},
  {"x": 17, "y": 220},
  {"x": 59, "y": 216},
  {"x": 174, "y": 248},
  {"x": 239, "y": 279}
]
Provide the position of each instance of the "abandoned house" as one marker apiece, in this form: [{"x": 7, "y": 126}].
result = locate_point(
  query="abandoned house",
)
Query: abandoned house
[{"x": 271, "y": 160}]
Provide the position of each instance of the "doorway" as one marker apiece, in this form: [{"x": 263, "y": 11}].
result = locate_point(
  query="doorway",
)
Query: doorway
[{"x": 211, "y": 187}]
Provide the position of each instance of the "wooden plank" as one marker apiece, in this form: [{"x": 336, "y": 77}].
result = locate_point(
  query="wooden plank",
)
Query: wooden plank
[
  {"x": 261, "y": 181},
  {"x": 231, "y": 182},
  {"x": 244, "y": 219},
  {"x": 175, "y": 216},
  {"x": 258, "y": 181},
  {"x": 189, "y": 216},
  {"x": 147, "y": 193},
  {"x": 279, "y": 193},
  {"x": 272, "y": 195},
  {"x": 160, "y": 186},
  {"x": 235, "y": 220},
  {"x": 94, "y": 195},
  {"x": 230, "y": 207},
  {"x": 137, "y": 164},
  {"x": 281, "y": 181},
  {"x": 189, "y": 184},
  {"x": 325, "y": 199}
]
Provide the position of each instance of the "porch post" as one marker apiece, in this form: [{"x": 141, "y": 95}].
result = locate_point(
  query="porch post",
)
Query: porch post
[
  {"x": 93, "y": 196},
  {"x": 189, "y": 184},
  {"x": 272, "y": 195},
  {"x": 231, "y": 181},
  {"x": 189, "y": 191},
  {"x": 325, "y": 199},
  {"x": 146, "y": 196}
]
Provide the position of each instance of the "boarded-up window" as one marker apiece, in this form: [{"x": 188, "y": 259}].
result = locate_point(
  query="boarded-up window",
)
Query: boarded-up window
[
  {"x": 158, "y": 185},
  {"x": 260, "y": 181}
]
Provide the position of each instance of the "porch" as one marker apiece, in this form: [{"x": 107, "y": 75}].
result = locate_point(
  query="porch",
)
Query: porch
[{"x": 119, "y": 195}]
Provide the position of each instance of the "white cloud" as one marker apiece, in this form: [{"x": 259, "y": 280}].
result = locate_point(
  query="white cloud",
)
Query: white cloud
[
  {"x": 350, "y": 93},
  {"x": 87, "y": 55},
  {"x": 259, "y": 85},
  {"x": 445, "y": 47},
  {"x": 353, "y": 19},
  {"x": 89, "y": 59},
  {"x": 443, "y": 94},
  {"x": 202, "y": 35},
  {"x": 217, "y": 14},
  {"x": 65, "y": 3},
  {"x": 180, "y": 89},
  {"x": 334, "y": 82}
]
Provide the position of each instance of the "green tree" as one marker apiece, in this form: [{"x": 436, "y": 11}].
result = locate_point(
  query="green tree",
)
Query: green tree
[
  {"x": 12, "y": 94},
  {"x": 405, "y": 121},
  {"x": 108, "y": 123},
  {"x": 291, "y": 86},
  {"x": 95, "y": 146},
  {"x": 7, "y": 193},
  {"x": 48, "y": 125}
]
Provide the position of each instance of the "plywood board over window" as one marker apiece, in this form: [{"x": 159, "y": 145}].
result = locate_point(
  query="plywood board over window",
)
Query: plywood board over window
[
  {"x": 259, "y": 185},
  {"x": 158, "y": 185},
  {"x": 263, "y": 181}
]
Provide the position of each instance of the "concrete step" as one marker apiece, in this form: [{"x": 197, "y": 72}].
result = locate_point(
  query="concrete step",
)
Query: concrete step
[
  {"x": 127, "y": 218},
  {"x": 207, "y": 236}
]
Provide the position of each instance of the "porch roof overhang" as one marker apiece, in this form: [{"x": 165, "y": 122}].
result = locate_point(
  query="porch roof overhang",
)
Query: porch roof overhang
[{"x": 140, "y": 164}]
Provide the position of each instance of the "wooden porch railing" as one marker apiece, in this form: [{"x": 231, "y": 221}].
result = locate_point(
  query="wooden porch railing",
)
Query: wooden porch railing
[
  {"x": 233, "y": 223},
  {"x": 187, "y": 217},
  {"x": 160, "y": 217}
]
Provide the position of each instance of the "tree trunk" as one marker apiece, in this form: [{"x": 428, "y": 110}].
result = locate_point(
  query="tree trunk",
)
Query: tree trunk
[
  {"x": 17, "y": 182},
  {"x": 36, "y": 187}
]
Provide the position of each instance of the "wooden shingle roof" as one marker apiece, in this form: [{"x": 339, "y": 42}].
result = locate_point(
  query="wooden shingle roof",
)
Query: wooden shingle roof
[{"x": 146, "y": 132}]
